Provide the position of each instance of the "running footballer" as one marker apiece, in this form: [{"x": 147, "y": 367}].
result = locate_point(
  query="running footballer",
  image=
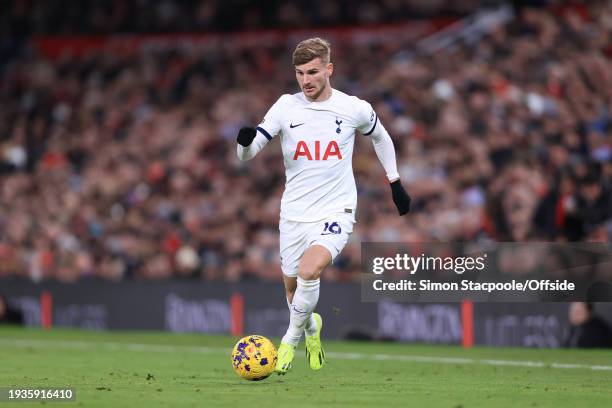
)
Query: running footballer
[{"x": 317, "y": 130}]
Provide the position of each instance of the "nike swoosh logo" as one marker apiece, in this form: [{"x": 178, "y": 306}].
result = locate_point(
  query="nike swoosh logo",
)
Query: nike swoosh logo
[
  {"x": 294, "y": 126},
  {"x": 296, "y": 310}
]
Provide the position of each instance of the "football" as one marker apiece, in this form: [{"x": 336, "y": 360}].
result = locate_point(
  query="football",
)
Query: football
[{"x": 254, "y": 357}]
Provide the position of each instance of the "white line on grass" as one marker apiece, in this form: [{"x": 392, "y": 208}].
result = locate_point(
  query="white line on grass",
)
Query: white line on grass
[{"x": 159, "y": 348}]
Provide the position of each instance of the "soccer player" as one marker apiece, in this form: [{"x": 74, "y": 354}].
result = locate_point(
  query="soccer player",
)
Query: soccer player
[{"x": 317, "y": 129}]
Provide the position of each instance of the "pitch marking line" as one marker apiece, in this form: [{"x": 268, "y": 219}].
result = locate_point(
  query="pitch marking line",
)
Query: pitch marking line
[{"x": 159, "y": 348}]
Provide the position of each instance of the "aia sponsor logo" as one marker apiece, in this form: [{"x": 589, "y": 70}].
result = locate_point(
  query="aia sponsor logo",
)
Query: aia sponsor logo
[{"x": 315, "y": 152}]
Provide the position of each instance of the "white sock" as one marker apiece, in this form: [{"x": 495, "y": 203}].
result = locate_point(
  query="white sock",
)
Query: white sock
[
  {"x": 311, "y": 324},
  {"x": 304, "y": 301}
]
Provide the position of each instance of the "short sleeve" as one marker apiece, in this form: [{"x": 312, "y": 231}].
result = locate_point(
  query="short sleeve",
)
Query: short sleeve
[
  {"x": 367, "y": 118},
  {"x": 271, "y": 124}
]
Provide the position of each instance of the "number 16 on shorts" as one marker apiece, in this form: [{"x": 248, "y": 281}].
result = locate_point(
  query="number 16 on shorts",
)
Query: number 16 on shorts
[{"x": 331, "y": 228}]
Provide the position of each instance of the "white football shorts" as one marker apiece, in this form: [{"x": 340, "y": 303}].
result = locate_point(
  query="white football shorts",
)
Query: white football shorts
[{"x": 295, "y": 237}]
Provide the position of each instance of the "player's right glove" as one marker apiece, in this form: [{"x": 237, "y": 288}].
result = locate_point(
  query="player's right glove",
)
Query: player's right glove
[
  {"x": 400, "y": 197},
  {"x": 246, "y": 136}
]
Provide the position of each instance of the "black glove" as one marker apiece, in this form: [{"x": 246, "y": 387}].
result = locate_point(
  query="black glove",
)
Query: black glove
[
  {"x": 400, "y": 197},
  {"x": 246, "y": 136}
]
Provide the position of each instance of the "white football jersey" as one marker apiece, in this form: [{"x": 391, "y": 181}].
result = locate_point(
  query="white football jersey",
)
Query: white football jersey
[{"x": 317, "y": 140}]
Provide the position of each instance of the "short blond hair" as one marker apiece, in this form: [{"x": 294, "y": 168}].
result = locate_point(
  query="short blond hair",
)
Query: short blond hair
[{"x": 310, "y": 49}]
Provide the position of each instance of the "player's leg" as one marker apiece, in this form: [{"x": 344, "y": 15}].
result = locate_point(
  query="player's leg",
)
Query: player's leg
[
  {"x": 304, "y": 300},
  {"x": 333, "y": 236},
  {"x": 311, "y": 268},
  {"x": 292, "y": 246},
  {"x": 323, "y": 242},
  {"x": 290, "y": 287},
  {"x": 306, "y": 295}
]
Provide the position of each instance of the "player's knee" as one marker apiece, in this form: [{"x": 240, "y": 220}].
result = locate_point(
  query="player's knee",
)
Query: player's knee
[
  {"x": 315, "y": 259},
  {"x": 309, "y": 271}
]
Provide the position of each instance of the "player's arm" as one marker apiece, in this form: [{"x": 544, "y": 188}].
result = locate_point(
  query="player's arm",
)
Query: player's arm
[
  {"x": 383, "y": 145},
  {"x": 250, "y": 142}
]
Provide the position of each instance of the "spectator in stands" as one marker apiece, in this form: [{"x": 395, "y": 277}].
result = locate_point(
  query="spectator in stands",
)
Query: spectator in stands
[{"x": 587, "y": 329}]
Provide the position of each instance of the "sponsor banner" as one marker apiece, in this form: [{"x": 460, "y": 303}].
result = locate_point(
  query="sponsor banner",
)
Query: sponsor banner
[
  {"x": 200, "y": 307},
  {"x": 206, "y": 307},
  {"x": 487, "y": 272},
  {"x": 521, "y": 325},
  {"x": 422, "y": 323},
  {"x": 194, "y": 315}
]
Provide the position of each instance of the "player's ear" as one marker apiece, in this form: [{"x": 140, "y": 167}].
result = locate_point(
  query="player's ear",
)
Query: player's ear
[{"x": 330, "y": 69}]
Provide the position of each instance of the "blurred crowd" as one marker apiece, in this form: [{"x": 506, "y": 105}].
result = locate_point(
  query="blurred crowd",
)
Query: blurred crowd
[
  {"x": 155, "y": 16},
  {"x": 125, "y": 166}
]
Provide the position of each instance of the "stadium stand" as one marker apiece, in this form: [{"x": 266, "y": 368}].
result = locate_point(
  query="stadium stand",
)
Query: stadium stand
[{"x": 121, "y": 166}]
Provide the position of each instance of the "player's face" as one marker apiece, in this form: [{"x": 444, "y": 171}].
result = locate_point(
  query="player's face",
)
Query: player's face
[{"x": 313, "y": 78}]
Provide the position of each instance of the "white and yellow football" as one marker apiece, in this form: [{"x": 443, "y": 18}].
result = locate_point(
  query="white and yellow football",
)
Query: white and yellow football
[{"x": 254, "y": 357}]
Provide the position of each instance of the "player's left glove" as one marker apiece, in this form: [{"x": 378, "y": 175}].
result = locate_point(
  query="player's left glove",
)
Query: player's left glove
[
  {"x": 246, "y": 136},
  {"x": 400, "y": 197}
]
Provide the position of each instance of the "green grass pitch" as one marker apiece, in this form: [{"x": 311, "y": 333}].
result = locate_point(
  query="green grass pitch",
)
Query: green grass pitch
[{"x": 142, "y": 369}]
